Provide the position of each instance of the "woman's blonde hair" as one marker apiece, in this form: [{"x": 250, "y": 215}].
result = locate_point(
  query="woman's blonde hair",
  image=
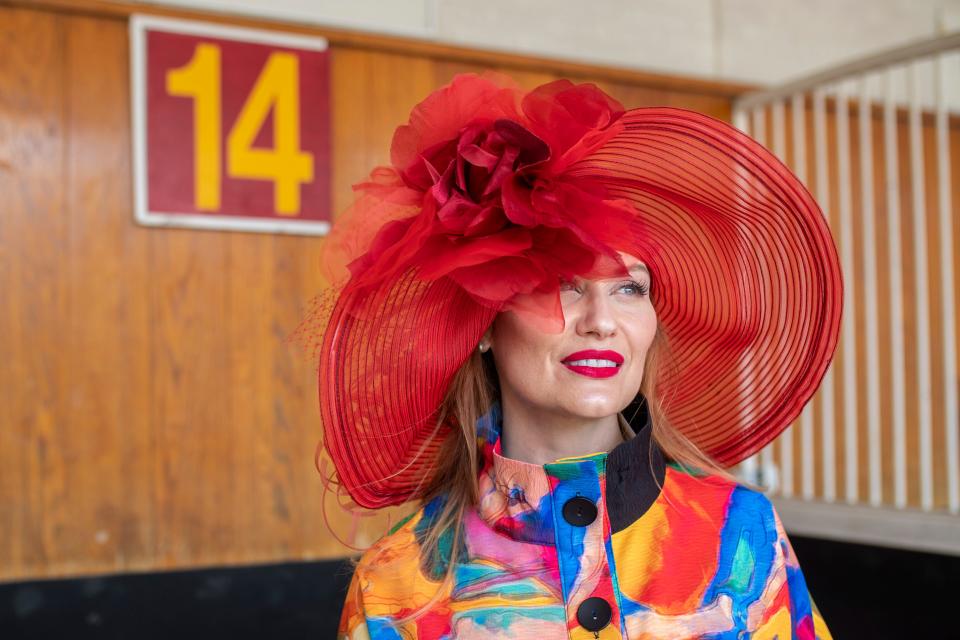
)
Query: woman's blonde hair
[{"x": 472, "y": 392}]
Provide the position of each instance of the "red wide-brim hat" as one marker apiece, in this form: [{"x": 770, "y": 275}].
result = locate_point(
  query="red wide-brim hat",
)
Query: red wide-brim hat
[{"x": 495, "y": 195}]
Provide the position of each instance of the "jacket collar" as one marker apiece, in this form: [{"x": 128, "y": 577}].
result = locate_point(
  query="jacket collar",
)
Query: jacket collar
[{"x": 518, "y": 498}]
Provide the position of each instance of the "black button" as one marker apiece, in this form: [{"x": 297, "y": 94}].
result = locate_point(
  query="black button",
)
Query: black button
[
  {"x": 593, "y": 614},
  {"x": 579, "y": 511}
]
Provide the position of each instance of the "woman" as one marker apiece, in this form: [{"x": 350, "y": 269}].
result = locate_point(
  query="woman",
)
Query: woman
[{"x": 531, "y": 269}]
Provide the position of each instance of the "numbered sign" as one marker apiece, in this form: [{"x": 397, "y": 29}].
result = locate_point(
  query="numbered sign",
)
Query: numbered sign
[{"x": 231, "y": 127}]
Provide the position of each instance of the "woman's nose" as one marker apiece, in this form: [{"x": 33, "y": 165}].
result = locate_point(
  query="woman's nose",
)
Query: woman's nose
[{"x": 597, "y": 316}]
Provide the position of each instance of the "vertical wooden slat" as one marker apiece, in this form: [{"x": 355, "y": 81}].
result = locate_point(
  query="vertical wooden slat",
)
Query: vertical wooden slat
[
  {"x": 758, "y": 125},
  {"x": 859, "y": 392},
  {"x": 895, "y": 264},
  {"x": 951, "y": 424},
  {"x": 872, "y": 360},
  {"x": 827, "y": 386},
  {"x": 850, "y": 361},
  {"x": 799, "y": 118},
  {"x": 747, "y": 468},
  {"x": 937, "y": 313},
  {"x": 953, "y": 180},
  {"x": 741, "y": 120},
  {"x": 921, "y": 284},
  {"x": 887, "y": 319},
  {"x": 786, "y": 439}
]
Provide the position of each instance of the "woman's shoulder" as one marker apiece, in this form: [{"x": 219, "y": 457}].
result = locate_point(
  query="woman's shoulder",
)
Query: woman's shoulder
[
  {"x": 393, "y": 572},
  {"x": 383, "y": 575},
  {"x": 696, "y": 474},
  {"x": 690, "y": 474},
  {"x": 704, "y": 486},
  {"x": 396, "y": 544},
  {"x": 401, "y": 547}
]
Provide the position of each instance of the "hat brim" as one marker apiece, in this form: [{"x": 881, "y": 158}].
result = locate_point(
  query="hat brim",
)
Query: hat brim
[{"x": 747, "y": 283}]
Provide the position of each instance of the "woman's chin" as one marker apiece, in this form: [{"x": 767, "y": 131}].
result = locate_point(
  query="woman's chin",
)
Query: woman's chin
[{"x": 593, "y": 406}]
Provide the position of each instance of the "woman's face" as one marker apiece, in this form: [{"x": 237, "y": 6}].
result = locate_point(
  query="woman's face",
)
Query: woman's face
[{"x": 595, "y": 366}]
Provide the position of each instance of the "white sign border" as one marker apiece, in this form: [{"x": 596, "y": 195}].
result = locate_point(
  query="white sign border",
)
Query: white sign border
[{"x": 139, "y": 24}]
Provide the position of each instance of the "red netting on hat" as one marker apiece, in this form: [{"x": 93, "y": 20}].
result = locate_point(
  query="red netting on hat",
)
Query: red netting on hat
[{"x": 495, "y": 196}]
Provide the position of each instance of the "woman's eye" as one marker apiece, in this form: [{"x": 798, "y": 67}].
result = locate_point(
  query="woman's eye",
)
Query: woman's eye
[
  {"x": 636, "y": 288},
  {"x": 632, "y": 287}
]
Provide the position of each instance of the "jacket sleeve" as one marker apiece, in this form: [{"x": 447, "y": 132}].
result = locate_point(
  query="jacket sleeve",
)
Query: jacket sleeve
[
  {"x": 788, "y": 608},
  {"x": 353, "y": 620}
]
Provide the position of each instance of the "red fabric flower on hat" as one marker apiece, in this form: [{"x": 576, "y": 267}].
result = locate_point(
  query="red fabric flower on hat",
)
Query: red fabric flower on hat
[{"x": 480, "y": 167}]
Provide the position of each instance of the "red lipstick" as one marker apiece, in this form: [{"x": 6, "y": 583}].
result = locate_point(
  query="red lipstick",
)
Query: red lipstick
[{"x": 594, "y": 363}]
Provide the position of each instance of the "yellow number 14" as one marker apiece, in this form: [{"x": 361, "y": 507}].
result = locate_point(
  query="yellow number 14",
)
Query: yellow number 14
[{"x": 278, "y": 87}]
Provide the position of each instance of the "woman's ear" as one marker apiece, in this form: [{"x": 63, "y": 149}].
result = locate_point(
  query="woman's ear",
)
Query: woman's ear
[{"x": 486, "y": 341}]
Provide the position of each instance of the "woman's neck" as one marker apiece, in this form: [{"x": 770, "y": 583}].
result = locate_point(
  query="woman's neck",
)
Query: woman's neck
[{"x": 533, "y": 435}]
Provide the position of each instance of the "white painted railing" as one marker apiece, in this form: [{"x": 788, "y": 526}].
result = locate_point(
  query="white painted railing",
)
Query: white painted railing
[{"x": 874, "y": 456}]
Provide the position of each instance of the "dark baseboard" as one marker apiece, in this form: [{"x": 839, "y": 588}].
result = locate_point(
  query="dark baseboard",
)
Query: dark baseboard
[
  {"x": 862, "y": 592},
  {"x": 294, "y": 600},
  {"x": 877, "y": 592}
]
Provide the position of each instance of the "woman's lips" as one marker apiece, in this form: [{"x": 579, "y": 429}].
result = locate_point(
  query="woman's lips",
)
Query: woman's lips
[
  {"x": 593, "y": 372},
  {"x": 593, "y": 363}
]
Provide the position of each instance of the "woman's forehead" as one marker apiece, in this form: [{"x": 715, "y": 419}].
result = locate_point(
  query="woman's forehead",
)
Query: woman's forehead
[
  {"x": 634, "y": 266},
  {"x": 631, "y": 261}
]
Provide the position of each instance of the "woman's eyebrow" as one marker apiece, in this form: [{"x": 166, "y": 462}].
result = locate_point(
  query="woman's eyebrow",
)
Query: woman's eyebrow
[{"x": 638, "y": 267}]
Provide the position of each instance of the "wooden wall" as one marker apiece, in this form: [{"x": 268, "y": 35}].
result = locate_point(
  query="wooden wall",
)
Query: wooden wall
[
  {"x": 151, "y": 414},
  {"x": 888, "y": 315}
]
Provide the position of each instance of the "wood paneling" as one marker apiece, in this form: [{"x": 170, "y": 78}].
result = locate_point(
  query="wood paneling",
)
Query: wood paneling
[
  {"x": 32, "y": 316},
  {"x": 152, "y": 415},
  {"x": 888, "y": 315}
]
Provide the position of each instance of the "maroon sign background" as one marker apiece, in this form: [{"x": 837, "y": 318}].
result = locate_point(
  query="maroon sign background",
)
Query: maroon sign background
[{"x": 169, "y": 130}]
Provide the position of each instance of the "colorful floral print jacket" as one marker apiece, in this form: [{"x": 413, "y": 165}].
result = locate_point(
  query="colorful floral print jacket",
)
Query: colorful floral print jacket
[{"x": 605, "y": 545}]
